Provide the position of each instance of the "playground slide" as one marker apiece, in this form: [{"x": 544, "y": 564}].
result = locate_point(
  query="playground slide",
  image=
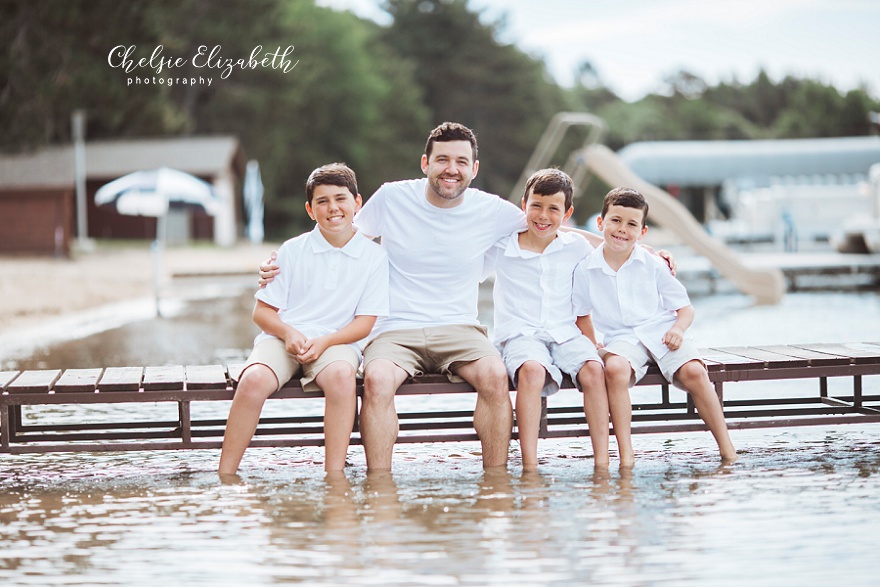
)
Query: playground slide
[{"x": 767, "y": 286}]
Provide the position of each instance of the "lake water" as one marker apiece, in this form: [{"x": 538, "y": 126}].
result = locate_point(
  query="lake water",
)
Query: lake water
[{"x": 801, "y": 507}]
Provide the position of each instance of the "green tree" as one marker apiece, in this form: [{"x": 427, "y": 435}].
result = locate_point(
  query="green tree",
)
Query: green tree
[{"x": 468, "y": 76}]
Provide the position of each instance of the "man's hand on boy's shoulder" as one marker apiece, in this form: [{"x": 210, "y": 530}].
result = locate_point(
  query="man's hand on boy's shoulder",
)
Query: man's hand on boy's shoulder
[
  {"x": 670, "y": 260},
  {"x": 268, "y": 270}
]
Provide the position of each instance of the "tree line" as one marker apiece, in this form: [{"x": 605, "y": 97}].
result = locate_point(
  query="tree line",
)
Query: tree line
[{"x": 360, "y": 92}]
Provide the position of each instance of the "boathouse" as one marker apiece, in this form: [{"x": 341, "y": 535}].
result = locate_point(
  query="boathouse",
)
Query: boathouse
[{"x": 38, "y": 203}]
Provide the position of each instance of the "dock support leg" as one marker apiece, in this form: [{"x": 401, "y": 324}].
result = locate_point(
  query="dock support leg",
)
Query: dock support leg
[
  {"x": 857, "y": 392},
  {"x": 823, "y": 387},
  {"x": 4, "y": 427},
  {"x": 185, "y": 420},
  {"x": 542, "y": 429}
]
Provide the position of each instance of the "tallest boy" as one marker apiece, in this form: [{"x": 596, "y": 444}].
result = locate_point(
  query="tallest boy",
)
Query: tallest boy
[{"x": 436, "y": 231}]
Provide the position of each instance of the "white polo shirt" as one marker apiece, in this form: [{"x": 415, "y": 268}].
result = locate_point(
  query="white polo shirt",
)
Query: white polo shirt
[
  {"x": 321, "y": 288},
  {"x": 636, "y": 303},
  {"x": 435, "y": 255},
  {"x": 533, "y": 290}
]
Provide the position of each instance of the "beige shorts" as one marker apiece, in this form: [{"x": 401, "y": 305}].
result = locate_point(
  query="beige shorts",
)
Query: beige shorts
[
  {"x": 640, "y": 357},
  {"x": 439, "y": 349},
  {"x": 272, "y": 353}
]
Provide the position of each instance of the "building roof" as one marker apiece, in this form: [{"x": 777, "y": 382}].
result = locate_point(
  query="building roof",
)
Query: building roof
[
  {"x": 708, "y": 163},
  {"x": 53, "y": 167}
]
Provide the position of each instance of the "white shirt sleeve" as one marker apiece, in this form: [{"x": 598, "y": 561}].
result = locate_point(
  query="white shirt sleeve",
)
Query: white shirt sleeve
[
  {"x": 374, "y": 301},
  {"x": 369, "y": 219}
]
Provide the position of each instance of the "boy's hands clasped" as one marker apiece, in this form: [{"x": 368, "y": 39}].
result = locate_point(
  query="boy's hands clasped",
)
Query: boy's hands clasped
[{"x": 304, "y": 350}]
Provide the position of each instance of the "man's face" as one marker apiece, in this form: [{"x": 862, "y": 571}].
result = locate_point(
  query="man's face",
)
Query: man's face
[{"x": 450, "y": 170}]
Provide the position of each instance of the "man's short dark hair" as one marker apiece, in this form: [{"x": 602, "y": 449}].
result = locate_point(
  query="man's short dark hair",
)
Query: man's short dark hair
[
  {"x": 338, "y": 174},
  {"x": 451, "y": 131}
]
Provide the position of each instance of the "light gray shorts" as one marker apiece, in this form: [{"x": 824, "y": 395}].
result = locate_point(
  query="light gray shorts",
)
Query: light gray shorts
[
  {"x": 438, "y": 349},
  {"x": 567, "y": 357},
  {"x": 640, "y": 358},
  {"x": 272, "y": 353}
]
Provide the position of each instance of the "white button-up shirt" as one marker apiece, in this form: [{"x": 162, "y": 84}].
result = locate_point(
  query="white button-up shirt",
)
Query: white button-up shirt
[
  {"x": 321, "y": 288},
  {"x": 533, "y": 290},
  {"x": 636, "y": 303}
]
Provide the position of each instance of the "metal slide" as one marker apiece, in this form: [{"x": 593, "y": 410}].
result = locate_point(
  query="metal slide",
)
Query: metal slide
[{"x": 766, "y": 285}]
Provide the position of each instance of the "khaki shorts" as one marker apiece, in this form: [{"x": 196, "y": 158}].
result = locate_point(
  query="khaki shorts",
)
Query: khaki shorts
[
  {"x": 272, "y": 353},
  {"x": 438, "y": 349},
  {"x": 640, "y": 357}
]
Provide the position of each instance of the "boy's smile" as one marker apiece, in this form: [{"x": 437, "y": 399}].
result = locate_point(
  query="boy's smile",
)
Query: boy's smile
[
  {"x": 333, "y": 208},
  {"x": 622, "y": 228},
  {"x": 544, "y": 216}
]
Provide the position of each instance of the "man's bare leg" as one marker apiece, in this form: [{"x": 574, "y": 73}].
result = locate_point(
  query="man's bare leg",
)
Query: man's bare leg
[
  {"x": 493, "y": 414},
  {"x": 378, "y": 421}
]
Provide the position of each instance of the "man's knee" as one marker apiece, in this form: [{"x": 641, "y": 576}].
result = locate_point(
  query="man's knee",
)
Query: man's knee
[
  {"x": 491, "y": 380},
  {"x": 381, "y": 380}
]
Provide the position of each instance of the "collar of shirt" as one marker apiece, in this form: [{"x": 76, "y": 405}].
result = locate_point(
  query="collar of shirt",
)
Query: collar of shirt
[
  {"x": 514, "y": 250},
  {"x": 353, "y": 248},
  {"x": 597, "y": 259}
]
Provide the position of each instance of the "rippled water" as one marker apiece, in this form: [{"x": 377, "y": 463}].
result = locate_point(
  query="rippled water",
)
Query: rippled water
[{"x": 801, "y": 507}]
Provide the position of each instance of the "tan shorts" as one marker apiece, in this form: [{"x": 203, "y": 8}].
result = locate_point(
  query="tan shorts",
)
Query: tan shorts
[
  {"x": 640, "y": 357},
  {"x": 439, "y": 349},
  {"x": 272, "y": 353}
]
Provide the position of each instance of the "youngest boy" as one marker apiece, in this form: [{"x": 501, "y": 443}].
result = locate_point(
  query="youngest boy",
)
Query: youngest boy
[
  {"x": 535, "y": 328},
  {"x": 643, "y": 313},
  {"x": 333, "y": 285}
]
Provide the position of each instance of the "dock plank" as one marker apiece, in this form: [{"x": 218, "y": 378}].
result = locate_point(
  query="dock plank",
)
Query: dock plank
[
  {"x": 121, "y": 379},
  {"x": 78, "y": 381},
  {"x": 767, "y": 357},
  {"x": 815, "y": 358},
  {"x": 164, "y": 378},
  {"x": 728, "y": 361},
  {"x": 6, "y": 377},
  {"x": 859, "y": 355},
  {"x": 205, "y": 377},
  {"x": 34, "y": 381}
]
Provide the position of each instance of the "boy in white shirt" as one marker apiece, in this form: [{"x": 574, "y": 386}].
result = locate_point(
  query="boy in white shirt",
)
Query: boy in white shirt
[
  {"x": 643, "y": 313},
  {"x": 334, "y": 285},
  {"x": 535, "y": 328}
]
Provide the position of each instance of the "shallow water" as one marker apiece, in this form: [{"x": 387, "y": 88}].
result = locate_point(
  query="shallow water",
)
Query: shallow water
[{"x": 801, "y": 507}]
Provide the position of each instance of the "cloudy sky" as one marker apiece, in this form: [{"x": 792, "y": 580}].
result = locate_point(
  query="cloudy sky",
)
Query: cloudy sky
[{"x": 634, "y": 44}]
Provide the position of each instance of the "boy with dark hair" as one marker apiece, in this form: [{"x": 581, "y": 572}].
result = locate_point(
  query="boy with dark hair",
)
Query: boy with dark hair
[
  {"x": 535, "y": 328},
  {"x": 333, "y": 286},
  {"x": 643, "y": 313}
]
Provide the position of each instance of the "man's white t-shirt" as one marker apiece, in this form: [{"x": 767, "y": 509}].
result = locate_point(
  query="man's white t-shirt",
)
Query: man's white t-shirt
[
  {"x": 435, "y": 254},
  {"x": 636, "y": 303},
  {"x": 321, "y": 288}
]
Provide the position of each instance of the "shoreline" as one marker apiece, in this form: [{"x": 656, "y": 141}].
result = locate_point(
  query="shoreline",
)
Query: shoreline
[{"x": 48, "y": 299}]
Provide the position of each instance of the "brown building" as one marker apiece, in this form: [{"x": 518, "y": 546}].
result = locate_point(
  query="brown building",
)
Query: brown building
[{"x": 38, "y": 202}]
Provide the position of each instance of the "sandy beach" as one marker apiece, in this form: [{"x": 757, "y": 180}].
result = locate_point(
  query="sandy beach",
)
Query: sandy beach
[{"x": 35, "y": 290}]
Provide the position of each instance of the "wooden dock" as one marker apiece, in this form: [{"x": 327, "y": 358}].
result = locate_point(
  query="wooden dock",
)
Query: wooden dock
[
  {"x": 801, "y": 270},
  {"x": 667, "y": 411}
]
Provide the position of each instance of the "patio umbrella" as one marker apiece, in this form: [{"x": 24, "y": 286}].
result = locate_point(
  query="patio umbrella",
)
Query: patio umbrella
[{"x": 151, "y": 193}]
